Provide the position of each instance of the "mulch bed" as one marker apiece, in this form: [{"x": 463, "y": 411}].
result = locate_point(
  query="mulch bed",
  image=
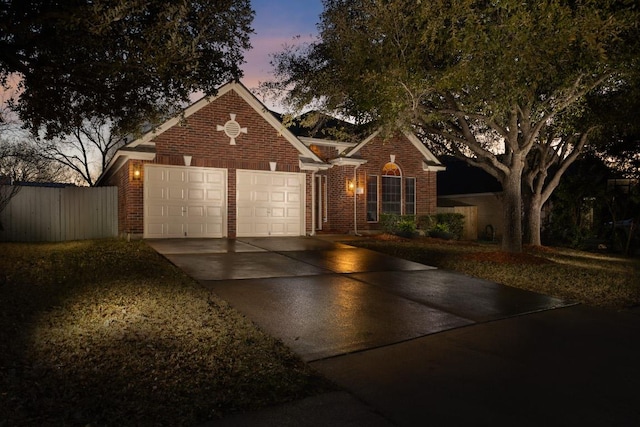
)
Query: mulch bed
[{"x": 500, "y": 257}]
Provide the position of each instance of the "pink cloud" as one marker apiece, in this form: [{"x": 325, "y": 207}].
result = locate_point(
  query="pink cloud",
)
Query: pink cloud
[{"x": 257, "y": 67}]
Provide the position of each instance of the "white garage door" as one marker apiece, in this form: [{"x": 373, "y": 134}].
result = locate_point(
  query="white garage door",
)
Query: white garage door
[
  {"x": 184, "y": 201},
  {"x": 270, "y": 203}
]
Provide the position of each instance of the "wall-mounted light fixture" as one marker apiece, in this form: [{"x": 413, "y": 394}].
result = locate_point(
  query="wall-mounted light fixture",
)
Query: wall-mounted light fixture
[
  {"x": 137, "y": 172},
  {"x": 351, "y": 186}
]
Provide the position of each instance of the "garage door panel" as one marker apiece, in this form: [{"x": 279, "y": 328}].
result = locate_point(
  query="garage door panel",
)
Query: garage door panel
[
  {"x": 244, "y": 179},
  {"x": 173, "y": 211},
  {"x": 292, "y": 229},
  {"x": 155, "y": 174},
  {"x": 155, "y": 229},
  {"x": 175, "y": 175},
  {"x": 261, "y": 229},
  {"x": 195, "y": 194},
  {"x": 214, "y": 195},
  {"x": 245, "y": 212},
  {"x": 214, "y": 211},
  {"x": 195, "y": 177},
  {"x": 295, "y": 183},
  {"x": 278, "y": 181},
  {"x": 278, "y": 229},
  {"x": 261, "y": 212},
  {"x": 156, "y": 193},
  {"x": 184, "y": 201},
  {"x": 195, "y": 211},
  {"x": 261, "y": 196},
  {"x": 293, "y": 213},
  {"x": 156, "y": 211},
  {"x": 194, "y": 229},
  {"x": 175, "y": 193},
  {"x": 293, "y": 197},
  {"x": 175, "y": 229},
  {"x": 278, "y": 196},
  {"x": 243, "y": 229},
  {"x": 215, "y": 178}
]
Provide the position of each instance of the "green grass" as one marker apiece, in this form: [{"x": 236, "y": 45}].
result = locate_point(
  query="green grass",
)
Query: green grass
[
  {"x": 110, "y": 333},
  {"x": 602, "y": 280}
]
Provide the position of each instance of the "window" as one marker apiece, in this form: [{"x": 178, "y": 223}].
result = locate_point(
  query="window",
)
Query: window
[
  {"x": 391, "y": 189},
  {"x": 372, "y": 198},
  {"x": 410, "y": 196}
]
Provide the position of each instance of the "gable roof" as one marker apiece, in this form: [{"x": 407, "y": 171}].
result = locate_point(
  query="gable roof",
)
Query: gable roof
[
  {"x": 249, "y": 98},
  {"x": 143, "y": 148},
  {"x": 429, "y": 161},
  {"x": 462, "y": 178}
]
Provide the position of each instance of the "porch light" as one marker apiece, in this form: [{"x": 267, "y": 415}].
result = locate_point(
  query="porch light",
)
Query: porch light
[
  {"x": 137, "y": 173},
  {"x": 350, "y": 186}
]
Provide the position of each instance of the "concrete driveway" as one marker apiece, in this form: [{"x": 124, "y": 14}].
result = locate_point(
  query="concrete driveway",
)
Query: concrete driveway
[
  {"x": 368, "y": 322},
  {"x": 324, "y": 299}
]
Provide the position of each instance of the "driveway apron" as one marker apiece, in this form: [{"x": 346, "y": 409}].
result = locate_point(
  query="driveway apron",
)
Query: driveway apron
[{"x": 325, "y": 299}]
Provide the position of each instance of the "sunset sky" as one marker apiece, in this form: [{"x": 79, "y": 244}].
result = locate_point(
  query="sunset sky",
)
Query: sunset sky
[{"x": 276, "y": 23}]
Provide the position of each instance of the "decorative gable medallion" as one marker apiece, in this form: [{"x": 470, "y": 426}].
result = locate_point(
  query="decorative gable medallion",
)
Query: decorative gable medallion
[{"x": 232, "y": 129}]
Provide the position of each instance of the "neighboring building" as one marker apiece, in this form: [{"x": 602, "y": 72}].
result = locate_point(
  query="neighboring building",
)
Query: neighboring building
[
  {"x": 228, "y": 167},
  {"x": 462, "y": 185}
]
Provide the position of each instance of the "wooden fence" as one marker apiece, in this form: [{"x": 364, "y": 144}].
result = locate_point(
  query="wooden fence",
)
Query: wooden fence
[
  {"x": 470, "y": 219},
  {"x": 38, "y": 214}
]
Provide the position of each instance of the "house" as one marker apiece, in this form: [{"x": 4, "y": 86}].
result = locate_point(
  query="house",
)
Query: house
[{"x": 228, "y": 167}]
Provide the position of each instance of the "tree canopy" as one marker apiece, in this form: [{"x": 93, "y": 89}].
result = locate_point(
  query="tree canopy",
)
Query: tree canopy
[
  {"x": 128, "y": 61},
  {"x": 480, "y": 79}
]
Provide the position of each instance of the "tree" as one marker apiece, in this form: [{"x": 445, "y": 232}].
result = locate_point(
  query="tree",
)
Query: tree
[
  {"x": 481, "y": 80},
  {"x": 557, "y": 147},
  {"x": 20, "y": 161},
  {"x": 579, "y": 205},
  {"x": 129, "y": 61},
  {"x": 87, "y": 150}
]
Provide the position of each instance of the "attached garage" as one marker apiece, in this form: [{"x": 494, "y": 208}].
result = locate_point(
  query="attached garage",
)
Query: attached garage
[
  {"x": 270, "y": 203},
  {"x": 184, "y": 201}
]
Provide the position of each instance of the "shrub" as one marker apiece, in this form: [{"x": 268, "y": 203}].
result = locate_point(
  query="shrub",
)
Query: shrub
[
  {"x": 453, "y": 221},
  {"x": 400, "y": 225},
  {"x": 425, "y": 222},
  {"x": 441, "y": 231}
]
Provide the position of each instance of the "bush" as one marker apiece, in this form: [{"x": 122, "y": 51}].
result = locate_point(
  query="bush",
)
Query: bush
[
  {"x": 454, "y": 223},
  {"x": 425, "y": 222},
  {"x": 441, "y": 231},
  {"x": 400, "y": 225}
]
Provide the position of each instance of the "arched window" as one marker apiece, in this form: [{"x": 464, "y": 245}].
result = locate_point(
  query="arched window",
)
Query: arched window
[{"x": 391, "y": 194}]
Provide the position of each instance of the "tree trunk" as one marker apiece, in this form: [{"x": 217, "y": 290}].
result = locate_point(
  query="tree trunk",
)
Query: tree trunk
[
  {"x": 512, "y": 212},
  {"x": 533, "y": 219}
]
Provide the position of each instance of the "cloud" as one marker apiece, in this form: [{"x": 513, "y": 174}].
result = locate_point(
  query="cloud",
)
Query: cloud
[{"x": 257, "y": 67}]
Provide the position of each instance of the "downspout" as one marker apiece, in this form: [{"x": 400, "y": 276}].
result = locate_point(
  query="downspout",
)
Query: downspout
[
  {"x": 313, "y": 203},
  {"x": 355, "y": 200}
]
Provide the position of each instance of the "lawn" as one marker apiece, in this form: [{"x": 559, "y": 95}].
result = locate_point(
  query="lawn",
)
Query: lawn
[
  {"x": 597, "y": 279},
  {"x": 110, "y": 333}
]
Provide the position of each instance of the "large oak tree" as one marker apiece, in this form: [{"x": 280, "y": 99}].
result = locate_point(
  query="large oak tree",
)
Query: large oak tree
[
  {"x": 128, "y": 61},
  {"x": 482, "y": 80}
]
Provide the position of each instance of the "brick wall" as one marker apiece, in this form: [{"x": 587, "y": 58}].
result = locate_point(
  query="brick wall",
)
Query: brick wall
[{"x": 130, "y": 198}]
